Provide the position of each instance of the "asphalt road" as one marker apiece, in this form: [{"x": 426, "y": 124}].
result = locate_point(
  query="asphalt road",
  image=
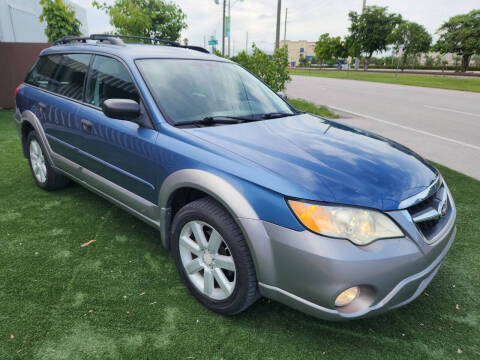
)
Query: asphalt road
[{"x": 441, "y": 125}]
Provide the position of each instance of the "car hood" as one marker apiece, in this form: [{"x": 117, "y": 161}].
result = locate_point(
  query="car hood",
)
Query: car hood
[{"x": 323, "y": 160}]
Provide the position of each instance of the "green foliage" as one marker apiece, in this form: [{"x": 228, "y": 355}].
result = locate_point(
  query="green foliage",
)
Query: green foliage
[
  {"x": 312, "y": 108},
  {"x": 60, "y": 19},
  {"x": 153, "y": 18},
  {"x": 460, "y": 35},
  {"x": 217, "y": 52},
  {"x": 429, "y": 60},
  {"x": 370, "y": 30},
  {"x": 412, "y": 38},
  {"x": 432, "y": 81},
  {"x": 329, "y": 48},
  {"x": 272, "y": 70},
  {"x": 304, "y": 62},
  {"x": 476, "y": 60}
]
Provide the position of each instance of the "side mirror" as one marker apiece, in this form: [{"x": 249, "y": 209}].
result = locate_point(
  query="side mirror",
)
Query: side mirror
[{"x": 123, "y": 109}]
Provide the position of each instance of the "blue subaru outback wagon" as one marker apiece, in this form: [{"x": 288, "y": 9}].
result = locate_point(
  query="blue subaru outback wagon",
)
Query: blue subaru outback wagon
[{"x": 252, "y": 197}]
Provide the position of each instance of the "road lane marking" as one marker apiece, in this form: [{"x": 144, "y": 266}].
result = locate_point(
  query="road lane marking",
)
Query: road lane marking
[
  {"x": 407, "y": 128},
  {"x": 451, "y": 110}
]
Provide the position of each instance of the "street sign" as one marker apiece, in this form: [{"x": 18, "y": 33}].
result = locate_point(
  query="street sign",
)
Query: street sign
[
  {"x": 227, "y": 26},
  {"x": 212, "y": 42}
]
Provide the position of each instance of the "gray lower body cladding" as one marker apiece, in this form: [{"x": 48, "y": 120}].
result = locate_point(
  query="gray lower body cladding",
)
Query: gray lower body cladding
[{"x": 307, "y": 271}]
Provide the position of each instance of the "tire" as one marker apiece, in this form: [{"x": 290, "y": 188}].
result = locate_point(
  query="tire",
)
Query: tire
[
  {"x": 42, "y": 171},
  {"x": 239, "y": 289}
]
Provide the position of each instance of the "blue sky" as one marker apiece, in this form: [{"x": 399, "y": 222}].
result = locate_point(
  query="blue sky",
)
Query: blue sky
[{"x": 307, "y": 19}]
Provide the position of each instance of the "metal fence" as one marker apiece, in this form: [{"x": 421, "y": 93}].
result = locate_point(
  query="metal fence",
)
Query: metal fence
[{"x": 15, "y": 61}]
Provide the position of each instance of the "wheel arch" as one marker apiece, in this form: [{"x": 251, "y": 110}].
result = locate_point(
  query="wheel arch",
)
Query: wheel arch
[
  {"x": 28, "y": 122},
  {"x": 202, "y": 182}
]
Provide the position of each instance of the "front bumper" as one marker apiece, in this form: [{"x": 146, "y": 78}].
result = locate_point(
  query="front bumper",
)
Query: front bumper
[{"x": 307, "y": 271}]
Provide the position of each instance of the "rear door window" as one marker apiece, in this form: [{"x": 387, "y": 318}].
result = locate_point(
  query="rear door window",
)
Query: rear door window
[
  {"x": 63, "y": 74},
  {"x": 109, "y": 79},
  {"x": 43, "y": 72},
  {"x": 71, "y": 75}
]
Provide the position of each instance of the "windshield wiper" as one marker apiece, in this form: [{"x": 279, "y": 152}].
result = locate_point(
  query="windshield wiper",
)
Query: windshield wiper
[
  {"x": 275, "y": 115},
  {"x": 212, "y": 120}
]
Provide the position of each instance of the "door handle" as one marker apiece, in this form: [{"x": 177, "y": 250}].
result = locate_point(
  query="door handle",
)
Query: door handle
[
  {"x": 87, "y": 125},
  {"x": 42, "y": 106}
]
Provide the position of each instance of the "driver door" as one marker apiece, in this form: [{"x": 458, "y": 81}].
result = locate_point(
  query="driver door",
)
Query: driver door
[{"x": 117, "y": 150}]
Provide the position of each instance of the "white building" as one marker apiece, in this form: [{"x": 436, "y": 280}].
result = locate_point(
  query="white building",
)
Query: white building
[{"x": 19, "y": 20}]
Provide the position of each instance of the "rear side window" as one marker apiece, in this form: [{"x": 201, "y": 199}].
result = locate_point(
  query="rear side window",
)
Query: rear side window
[
  {"x": 43, "y": 72},
  {"x": 71, "y": 75},
  {"x": 109, "y": 79},
  {"x": 63, "y": 74}
]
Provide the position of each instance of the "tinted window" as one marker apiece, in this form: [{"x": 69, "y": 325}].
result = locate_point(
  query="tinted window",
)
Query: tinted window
[
  {"x": 71, "y": 74},
  {"x": 43, "y": 72},
  {"x": 193, "y": 89},
  {"x": 63, "y": 74},
  {"x": 109, "y": 79}
]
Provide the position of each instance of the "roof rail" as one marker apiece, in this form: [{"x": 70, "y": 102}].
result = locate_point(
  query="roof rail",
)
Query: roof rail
[
  {"x": 102, "y": 38},
  {"x": 117, "y": 40}
]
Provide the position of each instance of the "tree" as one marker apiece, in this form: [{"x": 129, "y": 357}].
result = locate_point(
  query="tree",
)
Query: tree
[
  {"x": 429, "y": 61},
  {"x": 60, "y": 19},
  {"x": 272, "y": 70},
  {"x": 217, "y": 52},
  {"x": 328, "y": 48},
  {"x": 476, "y": 60},
  {"x": 412, "y": 38},
  {"x": 304, "y": 61},
  {"x": 152, "y": 18},
  {"x": 370, "y": 30},
  {"x": 460, "y": 35}
]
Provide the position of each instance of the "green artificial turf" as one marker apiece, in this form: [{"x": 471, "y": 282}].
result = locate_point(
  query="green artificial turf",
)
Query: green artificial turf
[
  {"x": 433, "y": 81},
  {"x": 121, "y": 298},
  {"x": 312, "y": 108}
]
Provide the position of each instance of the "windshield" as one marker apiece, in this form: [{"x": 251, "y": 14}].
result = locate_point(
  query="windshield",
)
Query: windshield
[{"x": 190, "y": 90}]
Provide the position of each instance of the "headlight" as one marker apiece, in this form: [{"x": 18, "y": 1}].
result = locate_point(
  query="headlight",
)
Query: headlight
[{"x": 360, "y": 226}]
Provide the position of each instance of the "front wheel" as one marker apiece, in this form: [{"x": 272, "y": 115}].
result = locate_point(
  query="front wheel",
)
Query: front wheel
[{"x": 212, "y": 257}]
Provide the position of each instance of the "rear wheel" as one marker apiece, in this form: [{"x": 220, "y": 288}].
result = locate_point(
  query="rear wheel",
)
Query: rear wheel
[
  {"x": 43, "y": 173},
  {"x": 212, "y": 257}
]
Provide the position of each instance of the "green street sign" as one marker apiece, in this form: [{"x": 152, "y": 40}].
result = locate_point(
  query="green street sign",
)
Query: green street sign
[
  {"x": 212, "y": 42},
  {"x": 227, "y": 26}
]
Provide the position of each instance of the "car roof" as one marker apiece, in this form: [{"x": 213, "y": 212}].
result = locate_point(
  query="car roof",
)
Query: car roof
[{"x": 134, "y": 51}]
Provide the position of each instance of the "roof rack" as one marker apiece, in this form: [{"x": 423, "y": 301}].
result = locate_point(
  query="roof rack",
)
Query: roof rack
[
  {"x": 117, "y": 40},
  {"x": 102, "y": 38}
]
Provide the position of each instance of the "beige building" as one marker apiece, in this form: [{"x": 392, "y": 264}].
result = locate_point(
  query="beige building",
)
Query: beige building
[{"x": 299, "y": 49}]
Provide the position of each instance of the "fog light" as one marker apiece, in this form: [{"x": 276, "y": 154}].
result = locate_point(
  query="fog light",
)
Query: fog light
[{"x": 347, "y": 296}]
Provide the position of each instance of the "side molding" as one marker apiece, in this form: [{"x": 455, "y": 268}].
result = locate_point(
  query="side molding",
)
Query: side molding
[{"x": 215, "y": 186}]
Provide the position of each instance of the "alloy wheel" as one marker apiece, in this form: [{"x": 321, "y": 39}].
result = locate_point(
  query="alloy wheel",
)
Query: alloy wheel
[
  {"x": 207, "y": 260},
  {"x": 38, "y": 161}
]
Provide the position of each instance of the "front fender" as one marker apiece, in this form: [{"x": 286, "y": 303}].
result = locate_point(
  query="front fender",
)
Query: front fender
[
  {"x": 215, "y": 186},
  {"x": 236, "y": 204}
]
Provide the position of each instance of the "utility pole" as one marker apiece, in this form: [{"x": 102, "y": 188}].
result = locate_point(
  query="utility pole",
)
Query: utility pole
[
  {"x": 223, "y": 28},
  {"x": 246, "y": 44},
  {"x": 357, "y": 60},
  {"x": 229, "y": 25},
  {"x": 279, "y": 10},
  {"x": 285, "y": 29}
]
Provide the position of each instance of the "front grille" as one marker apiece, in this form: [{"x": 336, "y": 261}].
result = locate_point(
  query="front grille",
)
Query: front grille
[{"x": 430, "y": 216}]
